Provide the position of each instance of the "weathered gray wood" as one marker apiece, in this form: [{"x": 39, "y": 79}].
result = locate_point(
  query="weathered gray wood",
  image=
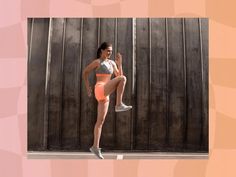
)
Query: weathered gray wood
[
  {"x": 36, "y": 84},
  {"x": 205, "y": 67},
  {"x": 125, "y": 47},
  {"x": 134, "y": 87},
  {"x": 88, "y": 114},
  {"x": 107, "y": 34},
  {"x": 55, "y": 84},
  {"x": 175, "y": 84},
  {"x": 158, "y": 85},
  {"x": 194, "y": 84},
  {"x": 185, "y": 118},
  {"x": 29, "y": 29},
  {"x": 142, "y": 97},
  {"x": 71, "y": 73}
]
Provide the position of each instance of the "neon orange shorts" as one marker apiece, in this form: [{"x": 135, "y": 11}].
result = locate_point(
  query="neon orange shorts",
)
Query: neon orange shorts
[{"x": 99, "y": 92}]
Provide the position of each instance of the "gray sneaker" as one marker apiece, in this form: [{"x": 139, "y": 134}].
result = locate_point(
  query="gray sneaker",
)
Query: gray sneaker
[
  {"x": 122, "y": 107},
  {"x": 97, "y": 152}
]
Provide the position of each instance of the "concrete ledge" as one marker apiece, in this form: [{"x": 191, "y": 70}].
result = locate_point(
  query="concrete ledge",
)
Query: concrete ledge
[{"x": 118, "y": 156}]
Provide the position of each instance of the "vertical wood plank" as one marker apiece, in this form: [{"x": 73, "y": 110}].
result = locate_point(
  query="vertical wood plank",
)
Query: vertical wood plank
[
  {"x": 194, "y": 84},
  {"x": 167, "y": 81},
  {"x": 176, "y": 84},
  {"x": 185, "y": 117},
  {"x": 55, "y": 84},
  {"x": 205, "y": 66},
  {"x": 46, "y": 102},
  {"x": 124, "y": 46},
  {"x": 142, "y": 54},
  {"x": 134, "y": 87},
  {"x": 71, "y": 73},
  {"x": 88, "y": 114},
  {"x": 29, "y": 30},
  {"x": 108, "y": 134},
  {"x": 158, "y": 85},
  {"x": 36, "y": 84}
]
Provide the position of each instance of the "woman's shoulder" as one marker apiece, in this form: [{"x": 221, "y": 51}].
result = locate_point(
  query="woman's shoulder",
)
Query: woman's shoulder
[{"x": 97, "y": 61}]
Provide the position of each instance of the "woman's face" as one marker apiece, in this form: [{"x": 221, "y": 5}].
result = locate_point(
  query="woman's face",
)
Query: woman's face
[{"x": 107, "y": 52}]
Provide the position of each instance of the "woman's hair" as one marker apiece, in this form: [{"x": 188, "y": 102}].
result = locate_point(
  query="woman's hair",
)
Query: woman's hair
[{"x": 103, "y": 46}]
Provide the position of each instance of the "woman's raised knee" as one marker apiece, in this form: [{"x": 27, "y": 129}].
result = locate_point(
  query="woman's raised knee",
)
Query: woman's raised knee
[{"x": 122, "y": 78}]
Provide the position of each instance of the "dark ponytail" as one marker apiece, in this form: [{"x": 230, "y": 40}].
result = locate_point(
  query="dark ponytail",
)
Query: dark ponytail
[
  {"x": 99, "y": 52},
  {"x": 103, "y": 46}
]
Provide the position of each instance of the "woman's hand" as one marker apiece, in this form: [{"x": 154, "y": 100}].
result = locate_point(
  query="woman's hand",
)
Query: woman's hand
[
  {"x": 89, "y": 91},
  {"x": 118, "y": 59}
]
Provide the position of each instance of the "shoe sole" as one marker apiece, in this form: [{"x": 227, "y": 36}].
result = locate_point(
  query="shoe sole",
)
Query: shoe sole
[{"x": 123, "y": 110}]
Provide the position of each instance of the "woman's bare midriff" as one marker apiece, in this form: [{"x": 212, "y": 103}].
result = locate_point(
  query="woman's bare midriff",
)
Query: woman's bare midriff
[{"x": 104, "y": 79}]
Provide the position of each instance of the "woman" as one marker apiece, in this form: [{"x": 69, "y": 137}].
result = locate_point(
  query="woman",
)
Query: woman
[{"x": 104, "y": 68}]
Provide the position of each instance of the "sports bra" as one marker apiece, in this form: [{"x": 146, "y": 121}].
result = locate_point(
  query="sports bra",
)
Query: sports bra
[{"x": 105, "y": 68}]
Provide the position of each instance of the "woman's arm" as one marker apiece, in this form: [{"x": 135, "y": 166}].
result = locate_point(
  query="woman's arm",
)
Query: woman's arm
[{"x": 86, "y": 72}]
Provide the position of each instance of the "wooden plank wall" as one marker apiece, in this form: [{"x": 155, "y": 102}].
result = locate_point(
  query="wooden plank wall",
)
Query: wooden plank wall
[
  {"x": 37, "y": 62},
  {"x": 166, "y": 65}
]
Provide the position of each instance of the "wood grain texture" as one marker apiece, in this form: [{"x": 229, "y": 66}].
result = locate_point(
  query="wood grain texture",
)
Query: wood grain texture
[
  {"x": 194, "y": 83},
  {"x": 71, "y": 73},
  {"x": 175, "y": 84},
  {"x": 55, "y": 84},
  {"x": 158, "y": 85},
  {"x": 36, "y": 83},
  {"x": 143, "y": 84},
  {"x": 205, "y": 75}
]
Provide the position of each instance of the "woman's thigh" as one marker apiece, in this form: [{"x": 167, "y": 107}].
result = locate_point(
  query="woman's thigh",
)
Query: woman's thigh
[
  {"x": 102, "y": 109},
  {"x": 111, "y": 85}
]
